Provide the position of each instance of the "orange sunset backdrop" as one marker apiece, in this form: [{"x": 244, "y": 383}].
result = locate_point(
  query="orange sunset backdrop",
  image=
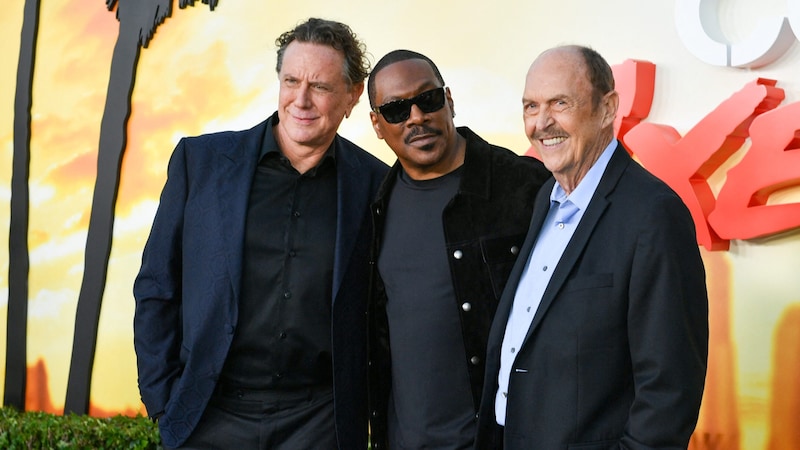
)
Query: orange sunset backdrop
[{"x": 206, "y": 71}]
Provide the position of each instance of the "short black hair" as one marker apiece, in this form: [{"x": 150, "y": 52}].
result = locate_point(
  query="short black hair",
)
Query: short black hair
[{"x": 391, "y": 58}]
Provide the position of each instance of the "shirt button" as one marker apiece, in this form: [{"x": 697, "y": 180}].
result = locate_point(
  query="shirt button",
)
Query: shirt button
[
  {"x": 466, "y": 306},
  {"x": 282, "y": 335},
  {"x": 296, "y": 213},
  {"x": 278, "y": 375},
  {"x": 458, "y": 254},
  {"x": 514, "y": 250},
  {"x": 561, "y": 226},
  {"x": 287, "y": 295},
  {"x": 475, "y": 360}
]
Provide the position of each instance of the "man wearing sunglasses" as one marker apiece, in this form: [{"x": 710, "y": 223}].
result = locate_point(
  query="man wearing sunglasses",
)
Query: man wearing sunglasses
[{"x": 449, "y": 220}]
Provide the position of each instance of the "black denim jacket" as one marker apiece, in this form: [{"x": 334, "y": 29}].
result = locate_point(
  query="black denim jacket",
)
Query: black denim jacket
[{"x": 484, "y": 226}]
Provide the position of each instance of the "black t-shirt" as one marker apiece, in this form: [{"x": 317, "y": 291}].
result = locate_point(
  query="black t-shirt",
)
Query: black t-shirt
[{"x": 431, "y": 402}]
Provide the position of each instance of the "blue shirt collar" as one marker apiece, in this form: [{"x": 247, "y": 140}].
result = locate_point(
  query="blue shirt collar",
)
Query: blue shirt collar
[{"x": 583, "y": 193}]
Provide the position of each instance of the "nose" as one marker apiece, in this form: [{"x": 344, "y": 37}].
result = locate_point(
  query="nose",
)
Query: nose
[
  {"x": 416, "y": 115},
  {"x": 302, "y": 97},
  {"x": 543, "y": 119}
]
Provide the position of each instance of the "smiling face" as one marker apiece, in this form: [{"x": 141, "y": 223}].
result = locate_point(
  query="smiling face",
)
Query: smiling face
[
  {"x": 314, "y": 98},
  {"x": 560, "y": 121},
  {"x": 426, "y": 144}
]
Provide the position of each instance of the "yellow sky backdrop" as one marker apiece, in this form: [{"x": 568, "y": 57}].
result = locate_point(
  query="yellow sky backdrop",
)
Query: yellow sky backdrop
[{"x": 208, "y": 71}]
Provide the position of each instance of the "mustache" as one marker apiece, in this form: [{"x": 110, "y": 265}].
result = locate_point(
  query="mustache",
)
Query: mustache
[
  {"x": 549, "y": 133},
  {"x": 420, "y": 130}
]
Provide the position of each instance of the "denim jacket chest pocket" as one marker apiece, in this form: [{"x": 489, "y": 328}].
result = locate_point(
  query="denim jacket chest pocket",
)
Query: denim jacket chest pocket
[{"x": 499, "y": 255}]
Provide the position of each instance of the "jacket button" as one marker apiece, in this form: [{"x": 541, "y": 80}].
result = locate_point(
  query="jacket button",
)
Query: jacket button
[
  {"x": 466, "y": 306},
  {"x": 378, "y": 211},
  {"x": 514, "y": 250},
  {"x": 458, "y": 254},
  {"x": 475, "y": 360}
]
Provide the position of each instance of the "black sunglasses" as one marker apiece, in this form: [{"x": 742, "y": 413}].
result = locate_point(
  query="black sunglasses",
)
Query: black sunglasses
[{"x": 399, "y": 110}]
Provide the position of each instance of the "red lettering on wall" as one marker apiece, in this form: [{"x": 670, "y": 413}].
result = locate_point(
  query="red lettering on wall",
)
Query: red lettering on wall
[
  {"x": 771, "y": 163},
  {"x": 685, "y": 163},
  {"x": 635, "y": 83}
]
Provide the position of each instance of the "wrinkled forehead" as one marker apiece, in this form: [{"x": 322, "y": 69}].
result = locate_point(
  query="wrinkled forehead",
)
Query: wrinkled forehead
[
  {"x": 310, "y": 60},
  {"x": 558, "y": 71}
]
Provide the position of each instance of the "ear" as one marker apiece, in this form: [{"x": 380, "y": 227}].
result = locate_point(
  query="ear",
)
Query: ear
[
  {"x": 373, "y": 117},
  {"x": 449, "y": 99},
  {"x": 609, "y": 105},
  {"x": 355, "y": 94}
]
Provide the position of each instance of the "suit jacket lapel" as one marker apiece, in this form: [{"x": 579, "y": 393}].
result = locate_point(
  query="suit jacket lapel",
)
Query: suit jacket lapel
[
  {"x": 351, "y": 210},
  {"x": 237, "y": 166},
  {"x": 540, "y": 210},
  {"x": 597, "y": 206}
]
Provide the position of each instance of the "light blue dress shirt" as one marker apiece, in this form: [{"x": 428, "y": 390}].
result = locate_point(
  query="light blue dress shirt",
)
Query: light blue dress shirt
[{"x": 562, "y": 219}]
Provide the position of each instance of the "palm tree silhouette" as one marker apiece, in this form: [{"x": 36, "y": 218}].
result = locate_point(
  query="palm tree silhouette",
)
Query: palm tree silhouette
[
  {"x": 19, "y": 257},
  {"x": 138, "y": 22}
]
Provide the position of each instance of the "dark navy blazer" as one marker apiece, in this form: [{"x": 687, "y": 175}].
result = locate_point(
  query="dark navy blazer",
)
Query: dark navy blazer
[
  {"x": 616, "y": 354},
  {"x": 188, "y": 288}
]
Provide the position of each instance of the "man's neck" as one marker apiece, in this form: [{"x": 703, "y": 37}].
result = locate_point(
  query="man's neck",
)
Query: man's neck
[{"x": 302, "y": 157}]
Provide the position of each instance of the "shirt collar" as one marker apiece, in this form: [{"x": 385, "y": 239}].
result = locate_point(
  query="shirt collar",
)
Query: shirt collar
[
  {"x": 583, "y": 193},
  {"x": 270, "y": 146}
]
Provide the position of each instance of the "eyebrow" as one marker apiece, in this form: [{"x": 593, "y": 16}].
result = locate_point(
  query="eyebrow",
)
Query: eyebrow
[
  {"x": 424, "y": 87},
  {"x": 549, "y": 100}
]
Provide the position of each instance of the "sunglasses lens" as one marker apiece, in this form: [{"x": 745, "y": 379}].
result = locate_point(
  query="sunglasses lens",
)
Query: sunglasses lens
[
  {"x": 396, "y": 112},
  {"x": 431, "y": 101},
  {"x": 399, "y": 110}
]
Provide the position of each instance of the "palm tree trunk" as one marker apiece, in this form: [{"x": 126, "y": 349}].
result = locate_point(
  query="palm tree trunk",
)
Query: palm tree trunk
[
  {"x": 19, "y": 258},
  {"x": 113, "y": 140}
]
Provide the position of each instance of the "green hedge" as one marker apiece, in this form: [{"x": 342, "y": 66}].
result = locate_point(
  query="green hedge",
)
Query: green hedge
[{"x": 37, "y": 430}]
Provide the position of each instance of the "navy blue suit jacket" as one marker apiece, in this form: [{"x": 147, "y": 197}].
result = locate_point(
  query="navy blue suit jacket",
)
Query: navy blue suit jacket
[
  {"x": 615, "y": 356},
  {"x": 188, "y": 288}
]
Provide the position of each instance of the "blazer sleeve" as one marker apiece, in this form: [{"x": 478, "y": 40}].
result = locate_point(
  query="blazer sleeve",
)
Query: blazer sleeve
[
  {"x": 667, "y": 328},
  {"x": 157, "y": 291}
]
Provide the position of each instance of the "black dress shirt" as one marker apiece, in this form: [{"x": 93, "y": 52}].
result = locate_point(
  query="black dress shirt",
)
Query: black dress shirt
[{"x": 283, "y": 336}]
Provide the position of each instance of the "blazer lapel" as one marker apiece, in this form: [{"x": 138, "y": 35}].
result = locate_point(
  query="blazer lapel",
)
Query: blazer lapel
[
  {"x": 540, "y": 210},
  {"x": 597, "y": 206},
  {"x": 237, "y": 167},
  {"x": 351, "y": 210}
]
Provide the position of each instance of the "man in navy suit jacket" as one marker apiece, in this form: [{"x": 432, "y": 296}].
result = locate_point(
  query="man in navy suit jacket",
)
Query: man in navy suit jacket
[
  {"x": 251, "y": 300},
  {"x": 600, "y": 340}
]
